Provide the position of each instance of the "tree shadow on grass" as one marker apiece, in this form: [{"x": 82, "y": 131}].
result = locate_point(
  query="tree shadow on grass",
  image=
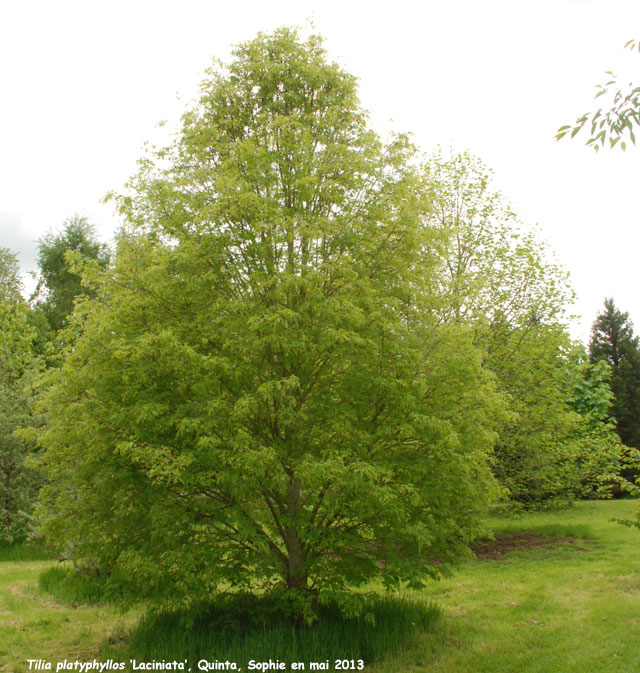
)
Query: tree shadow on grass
[
  {"x": 241, "y": 628},
  {"x": 503, "y": 544}
]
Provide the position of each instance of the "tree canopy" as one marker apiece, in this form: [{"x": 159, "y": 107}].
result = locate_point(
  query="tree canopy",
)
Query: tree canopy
[
  {"x": 10, "y": 284},
  {"x": 59, "y": 284},
  {"x": 264, "y": 393},
  {"x": 18, "y": 483},
  {"x": 493, "y": 270},
  {"x": 500, "y": 280}
]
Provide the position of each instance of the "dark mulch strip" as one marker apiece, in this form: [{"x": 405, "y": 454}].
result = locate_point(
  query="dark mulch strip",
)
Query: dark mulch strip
[{"x": 523, "y": 541}]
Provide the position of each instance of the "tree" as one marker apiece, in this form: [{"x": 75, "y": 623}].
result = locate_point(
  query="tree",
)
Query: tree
[
  {"x": 263, "y": 396},
  {"x": 10, "y": 284},
  {"x": 604, "y": 462},
  {"x": 59, "y": 283},
  {"x": 500, "y": 281},
  {"x": 613, "y": 341},
  {"x": 493, "y": 270},
  {"x": 618, "y": 121},
  {"x": 533, "y": 459},
  {"x": 18, "y": 483}
]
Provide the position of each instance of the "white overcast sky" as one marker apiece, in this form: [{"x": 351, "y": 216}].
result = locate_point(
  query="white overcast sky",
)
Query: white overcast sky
[{"x": 83, "y": 85}]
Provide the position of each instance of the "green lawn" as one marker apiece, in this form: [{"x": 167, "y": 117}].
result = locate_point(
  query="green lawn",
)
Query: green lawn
[
  {"x": 571, "y": 606},
  {"x": 555, "y": 609},
  {"x": 34, "y": 626}
]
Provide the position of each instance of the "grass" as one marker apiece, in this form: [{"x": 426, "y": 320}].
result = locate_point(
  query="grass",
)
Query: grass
[
  {"x": 23, "y": 551},
  {"x": 541, "y": 610},
  {"x": 33, "y": 625},
  {"x": 67, "y": 586},
  {"x": 241, "y": 628},
  {"x": 571, "y": 605}
]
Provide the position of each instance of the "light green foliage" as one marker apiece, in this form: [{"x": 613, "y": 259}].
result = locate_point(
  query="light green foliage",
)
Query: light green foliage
[
  {"x": 493, "y": 270},
  {"x": 60, "y": 283},
  {"x": 534, "y": 460},
  {"x": 499, "y": 281},
  {"x": 591, "y": 395},
  {"x": 264, "y": 396},
  {"x": 560, "y": 442},
  {"x": 559, "y": 445},
  {"x": 613, "y": 124},
  {"x": 18, "y": 484},
  {"x": 604, "y": 461}
]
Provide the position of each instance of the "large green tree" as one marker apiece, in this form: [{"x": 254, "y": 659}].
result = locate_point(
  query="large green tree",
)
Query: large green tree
[
  {"x": 613, "y": 341},
  {"x": 264, "y": 395}
]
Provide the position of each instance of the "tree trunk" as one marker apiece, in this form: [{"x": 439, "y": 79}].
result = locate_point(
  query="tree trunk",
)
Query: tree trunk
[{"x": 297, "y": 578}]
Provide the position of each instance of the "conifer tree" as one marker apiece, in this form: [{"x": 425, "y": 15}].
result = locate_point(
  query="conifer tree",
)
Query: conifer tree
[{"x": 613, "y": 340}]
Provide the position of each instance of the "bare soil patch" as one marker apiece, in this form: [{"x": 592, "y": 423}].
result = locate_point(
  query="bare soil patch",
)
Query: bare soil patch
[{"x": 523, "y": 540}]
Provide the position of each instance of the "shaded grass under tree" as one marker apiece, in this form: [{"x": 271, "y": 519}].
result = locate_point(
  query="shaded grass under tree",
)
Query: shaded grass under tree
[{"x": 244, "y": 627}]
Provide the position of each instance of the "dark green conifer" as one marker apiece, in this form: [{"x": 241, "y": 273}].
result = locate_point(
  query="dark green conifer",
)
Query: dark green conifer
[{"x": 613, "y": 340}]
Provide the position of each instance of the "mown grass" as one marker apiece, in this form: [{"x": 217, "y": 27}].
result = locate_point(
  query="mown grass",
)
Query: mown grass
[
  {"x": 552, "y": 608},
  {"x": 564, "y": 606},
  {"x": 33, "y": 625}
]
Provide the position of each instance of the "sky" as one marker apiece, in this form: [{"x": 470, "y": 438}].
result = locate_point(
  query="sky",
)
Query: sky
[{"x": 83, "y": 86}]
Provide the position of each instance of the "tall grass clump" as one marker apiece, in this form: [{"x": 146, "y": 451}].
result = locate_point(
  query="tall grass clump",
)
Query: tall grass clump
[
  {"x": 23, "y": 551},
  {"x": 244, "y": 627},
  {"x": 67, "y": 585}
]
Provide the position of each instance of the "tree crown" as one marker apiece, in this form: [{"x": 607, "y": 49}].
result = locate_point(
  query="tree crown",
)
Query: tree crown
[{"x": 264, "y": 393}]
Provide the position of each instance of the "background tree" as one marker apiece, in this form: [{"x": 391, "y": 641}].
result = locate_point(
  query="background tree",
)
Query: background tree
[
  {"x": 10, "y": 285},
  {"x": 500, "y": 280},
  {"x": 493, "y": 270},
  {"x": 532, "y": 457},
  {"x": 604, "y": 462},
  {"x": 18, "y": 483},
  {"x": 59, "y": 284},
  {"x": 613, "y": 341},
  {"x": 264, "y": 396}
]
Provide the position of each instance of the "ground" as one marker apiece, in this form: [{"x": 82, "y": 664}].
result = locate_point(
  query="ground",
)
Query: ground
[{"x": 551, "y": 592}]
